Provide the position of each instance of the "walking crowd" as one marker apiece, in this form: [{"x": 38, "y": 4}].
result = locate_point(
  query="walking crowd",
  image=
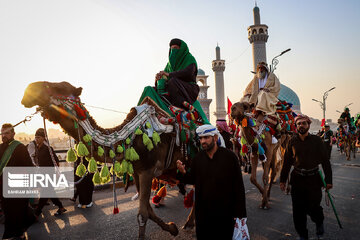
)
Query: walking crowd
[{"x": 216, "y": 166}]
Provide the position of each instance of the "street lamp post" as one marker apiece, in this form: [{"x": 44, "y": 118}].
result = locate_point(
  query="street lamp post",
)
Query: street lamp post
[
  {"x": 275, "y": 61},
  {"x": 322, "y": 103}
]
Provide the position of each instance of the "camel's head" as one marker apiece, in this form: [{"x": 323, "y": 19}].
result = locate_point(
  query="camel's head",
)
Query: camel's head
[
  {"x": 238, "y": 110},
  {"x": 41, "y": 93}
]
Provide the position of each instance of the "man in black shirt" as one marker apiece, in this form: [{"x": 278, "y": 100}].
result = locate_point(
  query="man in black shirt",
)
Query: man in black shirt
[
  {"x": 18, "y": 215},
  {"x": 346, "y": 115},
  {"x": 225, "y": 133},
  {"x": 44, "y": 160},
  {"x": 327, "y": 136},
  {"x": 212, "y": 170},
  {"x": 305, "y": 152}
]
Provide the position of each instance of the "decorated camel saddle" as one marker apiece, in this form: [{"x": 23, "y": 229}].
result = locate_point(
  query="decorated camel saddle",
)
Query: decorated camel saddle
[{"x": 283, "y": 122}]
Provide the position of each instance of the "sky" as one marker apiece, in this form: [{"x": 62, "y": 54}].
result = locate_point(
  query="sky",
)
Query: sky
[{"x": 114, "y": 48}]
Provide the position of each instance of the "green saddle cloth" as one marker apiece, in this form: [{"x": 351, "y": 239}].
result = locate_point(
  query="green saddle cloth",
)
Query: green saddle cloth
[{"x": 149, "y": 92}]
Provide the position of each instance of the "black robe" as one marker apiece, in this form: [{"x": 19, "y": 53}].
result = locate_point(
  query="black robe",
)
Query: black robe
[
  {"x": 18, "y": 214},
  {"x": 182, "y": 86},
  {"x": 85, "y": 188},
  {"x": 219, "y": 193}
]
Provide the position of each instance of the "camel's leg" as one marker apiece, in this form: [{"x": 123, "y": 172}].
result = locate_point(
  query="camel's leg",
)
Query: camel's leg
[
  {"x": 136, "y": 179},
  {"x": 265, "y": 178},
  {"x": 146, "y": 211},
  {"x": 254, "y": 163},
  {"x": 272, "y": 170},
  {"x": 347, "y": 151},
  {"x": 170, "y": 227},
  {"x": 190, "y": 222},
  {"x": 144, "y": 178}
]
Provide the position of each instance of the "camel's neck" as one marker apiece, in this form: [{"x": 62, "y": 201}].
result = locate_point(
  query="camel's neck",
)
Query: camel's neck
[{"x": 248, "y": 134}]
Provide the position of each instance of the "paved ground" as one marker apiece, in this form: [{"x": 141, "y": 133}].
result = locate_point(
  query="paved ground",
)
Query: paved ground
[{"x": 98, "y": 222}]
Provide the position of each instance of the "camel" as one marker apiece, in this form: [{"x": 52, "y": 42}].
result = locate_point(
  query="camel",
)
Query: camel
[
  {"x": 348, "y": 139},
  {"x": 238, "y": 111},
  {"x": 151, "y": 163}
]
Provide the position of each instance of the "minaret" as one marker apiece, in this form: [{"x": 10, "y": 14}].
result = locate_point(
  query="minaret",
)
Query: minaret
[
  {"x": 218, "y": 66},
  {"x": 258, "y": 36},
  {"x": 204, "y": 101}
]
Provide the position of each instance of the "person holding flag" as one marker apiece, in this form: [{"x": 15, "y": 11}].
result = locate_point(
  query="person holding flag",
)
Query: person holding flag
[{"x": 305, "y": 152}]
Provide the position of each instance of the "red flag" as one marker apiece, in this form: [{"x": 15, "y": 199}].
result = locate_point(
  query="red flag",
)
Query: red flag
[
  {"x": 229, "y": 106},
  {"x": 322, "y": 122}
]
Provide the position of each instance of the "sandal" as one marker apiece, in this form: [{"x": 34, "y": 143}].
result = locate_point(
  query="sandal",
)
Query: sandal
[{"x": 60, "y": 211}]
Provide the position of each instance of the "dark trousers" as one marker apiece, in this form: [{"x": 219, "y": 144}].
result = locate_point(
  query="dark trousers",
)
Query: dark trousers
[
  {"x": 43, "y": 201},
  {"x": 328, "y": 149},
  {"x": 306, "y": 200},
  {"x": 215, "y": 228},
  {"x": 180, "y": 91},
  {"x": 18, "y": 216}
]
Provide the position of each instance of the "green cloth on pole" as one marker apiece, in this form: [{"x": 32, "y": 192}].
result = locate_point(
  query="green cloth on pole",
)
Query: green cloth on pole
[
  {"x": 330, "y": 198},
  {"x": 152, "y": 94},
  {"x": 7, "y": 154}
]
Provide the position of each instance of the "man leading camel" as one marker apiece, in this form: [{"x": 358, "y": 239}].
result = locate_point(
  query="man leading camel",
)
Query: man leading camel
[
  {"x": 177, "y": 82},
  {"x": 219, "y": 187},
  {"x": 262, "y": 92}
]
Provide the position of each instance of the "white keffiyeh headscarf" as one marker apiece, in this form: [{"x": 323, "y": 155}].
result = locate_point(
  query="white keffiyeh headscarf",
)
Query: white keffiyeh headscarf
[{"x": 210, "y": 130}]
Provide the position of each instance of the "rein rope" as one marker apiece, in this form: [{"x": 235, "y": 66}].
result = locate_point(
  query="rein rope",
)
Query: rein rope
[{"x": 53, "y": 158}]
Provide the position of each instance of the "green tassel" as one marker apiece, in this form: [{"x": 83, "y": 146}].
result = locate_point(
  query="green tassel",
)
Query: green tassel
[
  {"x": 262, "y": 136},
  {"x": 87, "y": 138},
  {"x": 138, "y": 131},
  {"x": 96, "y": 178},
  {"x": 112, "y": 170},
  {"x": 146, "y": 139},
  {"x": 117, "y": 167},
  {"x": 119, "y": 149},
  {"x": 71, "y": 155},
  {"x": 133, "y": 155},
  {"x": 127, "y": 154},
  {"x": 111, "y": 153},
  {"x": 80, "y": 170},
  {"x": 92, "y": 167},
  {"x": 75, "y": 148},
  {"x": 128, "y": 141},
  {"x": 130, "y": 169},
  {"x": 150, "y": 146},
  {"x": 106, "y": 179},
  {"x": 82, "y": 150},
  {"x": 148, "y": 125},
  {"x": 104, "y": 173},
  {"x": 124, "y": 166},
  {"x": 100, "y": 151},
  {"x": 243, "y": 141},
  {"x": 156, "y": 138},
  {"x": 256, "y": 140}
]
